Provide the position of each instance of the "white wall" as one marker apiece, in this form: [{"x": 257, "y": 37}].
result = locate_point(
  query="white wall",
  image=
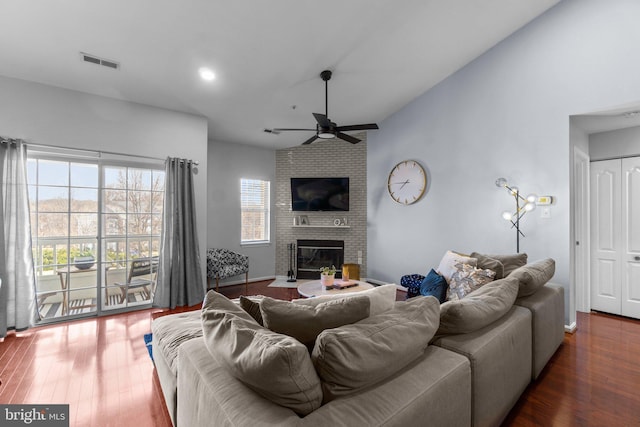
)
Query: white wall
[
  {"x": 616, "y": 143},
  {"x": 228, "y": 163},
  {"x": 504, "y": 115},
  {"x": 48, "y": 115}
]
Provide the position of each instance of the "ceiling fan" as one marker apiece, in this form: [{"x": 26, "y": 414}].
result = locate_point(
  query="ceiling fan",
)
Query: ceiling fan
[{"x": 325, "y": 128}]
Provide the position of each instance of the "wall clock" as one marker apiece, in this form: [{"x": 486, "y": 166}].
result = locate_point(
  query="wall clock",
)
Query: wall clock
[{"x": 407, "y": 182}]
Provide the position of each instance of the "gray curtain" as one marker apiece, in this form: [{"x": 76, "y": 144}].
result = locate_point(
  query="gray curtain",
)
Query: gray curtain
[
  {"x": 17, "y": 279},
  {"x": 179, "y": 276}
]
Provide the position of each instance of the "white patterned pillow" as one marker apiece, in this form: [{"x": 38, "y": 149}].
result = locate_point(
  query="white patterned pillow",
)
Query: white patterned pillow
[
  {"x": 447, "y": 265},
  {"x": 466, "y": 279}
]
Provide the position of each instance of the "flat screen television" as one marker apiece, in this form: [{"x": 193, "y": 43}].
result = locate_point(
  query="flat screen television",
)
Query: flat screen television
[{"x": 319, "y": 194}]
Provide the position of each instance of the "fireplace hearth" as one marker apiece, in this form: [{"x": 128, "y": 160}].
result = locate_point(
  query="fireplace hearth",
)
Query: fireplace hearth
[{"x": 313, "y": 254}]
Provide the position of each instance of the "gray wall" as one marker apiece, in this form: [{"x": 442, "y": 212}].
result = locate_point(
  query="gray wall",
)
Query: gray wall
[
  {"x": 324, "y": 158},
  {"x": 506, "y": 114},
  {"x": 228, "y": 163},
  {"x": 48, "y": 115},
  {"x": 616, "y": 143}
]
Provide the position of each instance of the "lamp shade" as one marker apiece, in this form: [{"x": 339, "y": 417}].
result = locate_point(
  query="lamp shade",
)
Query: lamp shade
[{"x": 501, "y": 182}]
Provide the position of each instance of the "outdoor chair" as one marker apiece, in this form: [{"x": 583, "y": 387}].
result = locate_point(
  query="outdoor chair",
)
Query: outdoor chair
[
  {"x": 223, "y": 263},
  {"x": 142, "y": 274}
]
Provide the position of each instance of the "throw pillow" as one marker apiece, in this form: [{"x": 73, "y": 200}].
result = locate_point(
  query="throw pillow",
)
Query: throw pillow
[
  {"x": 467, "y": 279},
  {"x": 485, "y": 263},
  {"x": 382, "y": 298},
  {"x": 533, "y": 276},
  {"x": 510, "y": 262},
  {"x": 412, "y": 283},
  {"x": 304, "y": 322},
  {"x": 353, "y": 357},
  {"x": 275, "y": 366},
  {"x": 434, "y": 285},
  {"x": 478, "y": 309},
  {"x": 252, "y": 308},
  {"x": 447, "y": 265}
]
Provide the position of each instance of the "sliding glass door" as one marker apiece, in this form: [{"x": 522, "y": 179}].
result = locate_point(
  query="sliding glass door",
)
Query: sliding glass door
[
  {"x": 132, "y": 222},
  {"x": 95, "y": 234}
]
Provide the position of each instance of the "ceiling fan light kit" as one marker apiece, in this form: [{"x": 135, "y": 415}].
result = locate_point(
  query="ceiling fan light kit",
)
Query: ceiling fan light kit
[{"x": 325, "y": 128}]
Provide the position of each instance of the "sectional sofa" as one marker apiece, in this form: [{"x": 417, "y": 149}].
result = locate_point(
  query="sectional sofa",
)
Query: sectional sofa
[{"x": 409, "y": 363}]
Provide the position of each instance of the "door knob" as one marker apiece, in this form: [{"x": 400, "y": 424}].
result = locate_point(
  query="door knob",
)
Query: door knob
[{"x": 636, "y": 258}]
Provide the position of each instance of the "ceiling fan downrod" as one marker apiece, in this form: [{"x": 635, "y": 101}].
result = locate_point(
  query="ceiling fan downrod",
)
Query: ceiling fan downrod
[{"x": 326, "y": 76}]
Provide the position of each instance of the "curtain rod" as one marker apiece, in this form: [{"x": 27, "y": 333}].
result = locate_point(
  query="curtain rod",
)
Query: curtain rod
[
  {"x": 4, "y": 140},
  {"x": 195, "y": 162}
]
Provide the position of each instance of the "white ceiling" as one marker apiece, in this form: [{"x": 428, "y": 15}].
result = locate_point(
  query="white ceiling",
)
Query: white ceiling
[{"x": 267, "y": 54}]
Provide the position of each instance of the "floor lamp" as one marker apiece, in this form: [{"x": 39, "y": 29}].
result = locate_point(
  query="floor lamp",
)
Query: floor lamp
[{"x": 523, "y": 205}]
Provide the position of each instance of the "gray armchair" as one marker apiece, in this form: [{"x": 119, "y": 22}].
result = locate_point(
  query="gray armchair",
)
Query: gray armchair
[{"x": 223, "y": 263}]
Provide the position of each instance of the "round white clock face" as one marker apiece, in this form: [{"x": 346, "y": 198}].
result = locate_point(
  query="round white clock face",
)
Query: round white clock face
[{"x": 407, "y": 182}]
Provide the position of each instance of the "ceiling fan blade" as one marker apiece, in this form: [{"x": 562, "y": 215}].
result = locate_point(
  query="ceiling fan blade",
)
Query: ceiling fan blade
[
  {"x": 347, "y": 138},
  {"x": 369, "y": 126},
  {"x": 291, "y": 129},
  {"x": 310, "y": 140},
  {"x": 322, "y": 120}
]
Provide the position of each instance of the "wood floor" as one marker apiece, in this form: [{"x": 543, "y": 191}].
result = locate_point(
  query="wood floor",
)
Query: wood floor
[{"x": 101, "y": 368}]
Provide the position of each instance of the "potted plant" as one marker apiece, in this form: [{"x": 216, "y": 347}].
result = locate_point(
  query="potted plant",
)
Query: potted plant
[{"x": 327, "y": 276}]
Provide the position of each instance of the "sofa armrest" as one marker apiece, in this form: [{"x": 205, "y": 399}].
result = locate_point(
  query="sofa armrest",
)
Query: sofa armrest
[
  {"x": 547, "y": 310},
  {"x": 437, "y": 387},
  {"x": 209, "y": 396},
  {"x": 500, "y": 356}
]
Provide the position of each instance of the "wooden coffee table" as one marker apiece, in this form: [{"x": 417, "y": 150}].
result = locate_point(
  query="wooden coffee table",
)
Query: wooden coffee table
[{"x": 314, "y": 288}]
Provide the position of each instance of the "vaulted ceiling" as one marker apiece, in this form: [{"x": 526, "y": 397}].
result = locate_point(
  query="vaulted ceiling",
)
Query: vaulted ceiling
[{"x": 267, "y": 55}]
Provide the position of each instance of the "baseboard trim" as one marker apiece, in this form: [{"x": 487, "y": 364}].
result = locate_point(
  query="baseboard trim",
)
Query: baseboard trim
[
  {"x": 570, "y": 328},
  {"x": 240, "y": 281}
]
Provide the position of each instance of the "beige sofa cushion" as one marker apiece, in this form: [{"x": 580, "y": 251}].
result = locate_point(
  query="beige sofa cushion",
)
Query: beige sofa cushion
[
  {"x": 252, "y": 307},
  {"x": 304, "y": 322},
  {"x": 352, "y": 357},
  {"x": 510, "y": 262},
  {"x": 479, "y": 308},
  {"x": 533, "y": 276},
  {"x": 382, "y": 298},
  {"x": 486, "y": 262},
  {"x": 275, "y": 366}
]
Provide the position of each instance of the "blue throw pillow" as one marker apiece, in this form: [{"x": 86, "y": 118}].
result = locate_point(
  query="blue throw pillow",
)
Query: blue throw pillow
[
  {"x": 412, "y": 283},
  {"x": 435, "y": 285}
]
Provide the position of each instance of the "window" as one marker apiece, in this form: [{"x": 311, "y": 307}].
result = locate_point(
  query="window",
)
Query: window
[{"x": 255, "y": 211}]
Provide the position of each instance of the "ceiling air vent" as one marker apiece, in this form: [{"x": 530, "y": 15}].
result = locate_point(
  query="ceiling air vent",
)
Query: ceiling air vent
[{"x": 100, "y": 61}]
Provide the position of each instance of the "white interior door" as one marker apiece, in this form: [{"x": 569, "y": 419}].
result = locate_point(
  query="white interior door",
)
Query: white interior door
[
  {"x": 605, "y": 236},
  {"x": 630, "y": 237}
]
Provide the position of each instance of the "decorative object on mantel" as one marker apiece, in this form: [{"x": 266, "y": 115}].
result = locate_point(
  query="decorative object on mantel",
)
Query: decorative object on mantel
[
  {"x": 304, "y": 220},
  {"x": 407, "y": 182},
  {"x": 523, "y": 205},
  {"x": 327, "y": 276}
]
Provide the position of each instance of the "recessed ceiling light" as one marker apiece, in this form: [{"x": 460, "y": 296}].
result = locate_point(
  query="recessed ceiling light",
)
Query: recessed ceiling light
[{"x": 206, "y": 74}]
